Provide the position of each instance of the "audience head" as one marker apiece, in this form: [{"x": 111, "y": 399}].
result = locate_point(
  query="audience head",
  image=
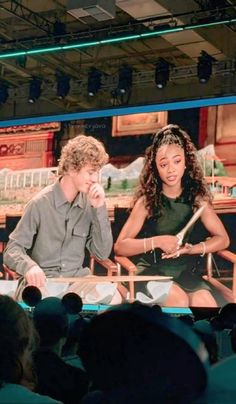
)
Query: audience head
[
  {"x": 135, "y": 347},
  {"x": 16, "y": 342},
  {"x": 72, "y": 303},
  {"x": 226, "y": 318},
  {"x": 31, "y": 296},
  {"x": 51, "y": 321}
]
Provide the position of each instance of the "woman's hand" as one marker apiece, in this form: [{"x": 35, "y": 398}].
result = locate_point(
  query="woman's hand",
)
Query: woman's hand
[
  {"x": 184, "y": 250},
  {"x": 168, "y": 244}
]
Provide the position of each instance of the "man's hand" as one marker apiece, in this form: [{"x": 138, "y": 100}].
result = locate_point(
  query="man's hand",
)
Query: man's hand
[
  {"x": 35, "y": 277},
  {"x": 96, "y": 195}
]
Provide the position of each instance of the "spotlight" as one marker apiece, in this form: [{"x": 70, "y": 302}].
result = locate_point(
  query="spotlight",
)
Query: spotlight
[
  {"x": 125, "y": 79},
  {"x": 63, "y": 86},
  {"x": 94, "y": 81},
  {"x": 21, "y": 61},
  {"x": 34, "y": 89},
  {"x": 59, "y": 28},
  {"x": 3, "y": 93},
  {"x": 204, "y": 67},
  {"x": 162, "y": 73}
]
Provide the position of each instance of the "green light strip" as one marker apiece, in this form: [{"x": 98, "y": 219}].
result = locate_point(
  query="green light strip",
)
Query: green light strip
[
  {"x": 124, "y": 38},
  {"x": 56, "y": 48},
  {"x": 211, "y": 24},
  {"x": 44, "y": 50},
  {"x": 163, "y": 32}
]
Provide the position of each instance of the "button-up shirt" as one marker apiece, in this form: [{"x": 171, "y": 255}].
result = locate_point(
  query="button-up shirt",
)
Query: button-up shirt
[{"x": 53, "y": 233}]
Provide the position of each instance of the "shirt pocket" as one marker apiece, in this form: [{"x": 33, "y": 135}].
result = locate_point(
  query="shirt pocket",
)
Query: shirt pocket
[{"x": 80, "y": 231}]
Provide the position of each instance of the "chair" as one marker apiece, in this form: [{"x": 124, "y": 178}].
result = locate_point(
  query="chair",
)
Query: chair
[
  {"x": 9, "y": 274},
  {"x": 229, "y": 294},
  {"x": 225, "y": 260},
  {"x": 109, "y": 265}
]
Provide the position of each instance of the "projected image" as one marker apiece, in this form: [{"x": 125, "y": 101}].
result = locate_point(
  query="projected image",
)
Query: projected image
[{"x": 164, "y": 265}]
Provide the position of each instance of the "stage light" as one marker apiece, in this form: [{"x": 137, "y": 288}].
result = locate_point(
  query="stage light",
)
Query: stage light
[
  {"x": 125, "y": 79},
  {"x": 63, "y": 85},
  {"x": 59, "y": 29},
  {"x": 162, "y": 73},
  {"x": 34, "y": 89},
  {"x": 94, "y": 81},
  {"x": 3, "y": 93},
  {"x": 204, "y": 67},
  {"x": 21, "y": 61}
]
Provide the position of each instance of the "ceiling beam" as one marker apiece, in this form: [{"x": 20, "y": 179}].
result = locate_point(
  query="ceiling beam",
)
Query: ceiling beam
[{"x": 25, "y": 14}]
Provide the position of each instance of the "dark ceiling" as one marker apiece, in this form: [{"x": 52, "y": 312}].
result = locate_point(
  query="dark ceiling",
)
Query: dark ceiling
[{"x": 28, "y": 25}]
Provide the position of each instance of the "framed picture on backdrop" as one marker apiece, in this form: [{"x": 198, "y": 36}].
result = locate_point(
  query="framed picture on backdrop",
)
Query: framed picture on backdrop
[
  {"x": 221, "y": 131},
  {"x": 138, "y": 124}
]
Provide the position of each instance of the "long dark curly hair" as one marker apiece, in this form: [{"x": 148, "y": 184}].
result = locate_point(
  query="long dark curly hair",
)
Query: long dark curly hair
[{"x": 150, "y": 184}]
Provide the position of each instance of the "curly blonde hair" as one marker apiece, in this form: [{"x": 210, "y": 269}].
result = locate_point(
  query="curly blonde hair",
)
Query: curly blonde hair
[
  {"x": 82, "y": 150},
  {"x": 150, "y": 184}
]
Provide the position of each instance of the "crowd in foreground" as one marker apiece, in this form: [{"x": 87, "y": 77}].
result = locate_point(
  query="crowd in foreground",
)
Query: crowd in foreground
[{"x": 130, "y": 353}]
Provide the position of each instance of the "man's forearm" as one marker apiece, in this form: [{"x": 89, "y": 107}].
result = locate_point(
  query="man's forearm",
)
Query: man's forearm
[
  {"x": 101, "y": 240},
  {"x": 16, "y": 258}
]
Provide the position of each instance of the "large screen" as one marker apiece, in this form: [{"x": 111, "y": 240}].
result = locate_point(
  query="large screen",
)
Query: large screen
[{"x": 126, "y": 136}]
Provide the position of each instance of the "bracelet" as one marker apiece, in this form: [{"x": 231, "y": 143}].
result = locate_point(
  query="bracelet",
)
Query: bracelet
[
  {"x": 203, "y": 248},
  {"x": 144, "y": 245}
]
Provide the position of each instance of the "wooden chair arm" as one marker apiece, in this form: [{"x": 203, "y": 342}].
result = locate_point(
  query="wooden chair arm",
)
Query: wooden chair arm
[
  {"x": 229, "y": 295},
  {"x": 9, "y": 274},
  {"x": 126, "y": 263},
  {"x": 228, "y": 255},
  {"x": 231, "y": 257},
  {"x": 107, "y": 263}
]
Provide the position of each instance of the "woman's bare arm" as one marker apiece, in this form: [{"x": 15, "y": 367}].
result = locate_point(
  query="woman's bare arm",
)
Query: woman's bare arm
[
  {"x": 128, "y": 245},
  {"x": 219, "y": 239}
]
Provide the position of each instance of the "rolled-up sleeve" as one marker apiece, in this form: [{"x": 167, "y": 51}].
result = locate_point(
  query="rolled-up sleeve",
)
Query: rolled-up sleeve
[{"x": 20, "y": 241}]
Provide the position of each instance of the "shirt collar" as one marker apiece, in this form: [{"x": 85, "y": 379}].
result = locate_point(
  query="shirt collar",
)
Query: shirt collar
[{"x": 60, "y": 198}]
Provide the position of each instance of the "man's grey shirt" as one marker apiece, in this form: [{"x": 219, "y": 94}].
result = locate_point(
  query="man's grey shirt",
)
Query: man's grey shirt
[{"x": 53, "y": 233}]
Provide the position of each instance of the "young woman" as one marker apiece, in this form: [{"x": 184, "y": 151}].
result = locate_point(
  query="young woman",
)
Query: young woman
[{"x": 171, "y": 189}]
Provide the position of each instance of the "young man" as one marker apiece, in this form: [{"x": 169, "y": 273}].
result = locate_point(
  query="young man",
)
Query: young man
[{"x": 64, "y": 218}]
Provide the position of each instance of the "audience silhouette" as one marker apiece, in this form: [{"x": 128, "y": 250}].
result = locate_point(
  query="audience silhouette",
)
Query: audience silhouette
[
  {"x": 55, "y": 377},
  {"x": 133, "y": 354},
  {"x": 17, "y": 340}
]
